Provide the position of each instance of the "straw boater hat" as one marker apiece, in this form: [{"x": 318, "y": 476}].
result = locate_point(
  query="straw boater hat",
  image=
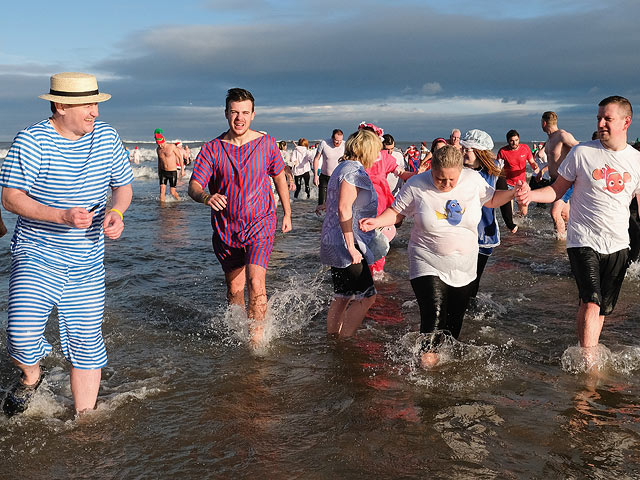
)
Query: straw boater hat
[{"x": 73, "y": 88}]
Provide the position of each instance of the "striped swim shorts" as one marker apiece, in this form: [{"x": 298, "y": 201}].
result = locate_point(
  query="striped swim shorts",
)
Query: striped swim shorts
[
  {"x": 35, "y": 287},
  {"x": 232, "y": 258}
]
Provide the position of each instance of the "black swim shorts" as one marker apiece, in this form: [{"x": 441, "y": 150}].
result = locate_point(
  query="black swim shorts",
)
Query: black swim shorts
[
  {"x": 354, "y": 280},
  {"x": 599, "y": 276},
  {"x": 166, "y": 176}
]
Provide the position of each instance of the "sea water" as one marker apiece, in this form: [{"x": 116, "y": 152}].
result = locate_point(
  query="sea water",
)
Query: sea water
[{"x": 184, "y": 395}]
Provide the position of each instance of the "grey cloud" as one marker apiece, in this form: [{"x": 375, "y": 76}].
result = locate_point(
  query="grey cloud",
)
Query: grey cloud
[{"x": 373, "y": 53}]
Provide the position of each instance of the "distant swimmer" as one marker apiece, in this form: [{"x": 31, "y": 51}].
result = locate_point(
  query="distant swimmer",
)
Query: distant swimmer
[
  {"x": 135, "y": 156},
  {"x": 286, "y": 156},
  {"x": 57, "y": 250},
  {"x": 330, "y": 151},
  {"x": 236, "y": 168},
  {"x": 514, "y": 156},
  {"x": 185, "y": 156},
  {"x": 454, "y": 138},
  {"x": 170, "y": 157},
  {"x": 412, "y": 157},
  {"x": 556, "y": 149},
  {"x": 395, "y": 182},
  {"x": 605, "y": 174},
  {"x": 301, "y": 162}
]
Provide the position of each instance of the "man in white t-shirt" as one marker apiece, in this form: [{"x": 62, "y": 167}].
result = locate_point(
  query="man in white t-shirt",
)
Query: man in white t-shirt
[
  {"x": 605, "y": 174},
  {"x": 330, "y": 150}
]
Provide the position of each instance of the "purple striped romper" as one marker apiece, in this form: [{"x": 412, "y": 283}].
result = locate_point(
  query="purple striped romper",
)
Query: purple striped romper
[{"x": 244, "y": 231}]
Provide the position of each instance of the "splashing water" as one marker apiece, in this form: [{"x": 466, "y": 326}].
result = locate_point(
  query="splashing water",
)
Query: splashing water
[
  {"x": 461, "y": 366},
  {"x": 289, "y": 310},
  {"x": 581, "y": 360}
]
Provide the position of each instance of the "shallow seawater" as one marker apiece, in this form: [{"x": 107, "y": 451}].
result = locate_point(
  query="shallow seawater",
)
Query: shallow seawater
[{"x": 185, "y": 396}]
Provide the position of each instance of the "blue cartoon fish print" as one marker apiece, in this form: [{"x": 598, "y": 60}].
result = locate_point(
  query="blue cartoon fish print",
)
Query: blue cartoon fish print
[{"x": 453, "y": 213}]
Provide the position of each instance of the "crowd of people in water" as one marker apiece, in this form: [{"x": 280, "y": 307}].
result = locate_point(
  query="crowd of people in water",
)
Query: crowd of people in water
[{"x": 366, "y": 189}]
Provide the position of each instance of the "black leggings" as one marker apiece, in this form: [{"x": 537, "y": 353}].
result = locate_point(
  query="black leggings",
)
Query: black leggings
[
  {"x": 442, "y": 306},
  {"x": 322, "y": 188},
  {"x": 505, "y": 210},
  {"x": 298, "y": 179}
]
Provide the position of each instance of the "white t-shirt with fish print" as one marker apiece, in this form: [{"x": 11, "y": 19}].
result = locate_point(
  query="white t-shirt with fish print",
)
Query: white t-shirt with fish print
[
  {"x": 604, "y": 184},
  {"x": 444, "y": 237}
]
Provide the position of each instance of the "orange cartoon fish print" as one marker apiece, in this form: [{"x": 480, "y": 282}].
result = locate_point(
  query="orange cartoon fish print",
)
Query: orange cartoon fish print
[{"x": 614, "y": 182}]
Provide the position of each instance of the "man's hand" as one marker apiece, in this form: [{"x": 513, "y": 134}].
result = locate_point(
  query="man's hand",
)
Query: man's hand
[
  {"x": 113, "y": 225},
  {"x": 522, "y": 193},
  {"x": 77, "y": 217},
  {"x": 217, "y": 201},
  {"x": 316, "y": 179},
  {"x": 367, "y": 224},
  {"x": 286, "y": 224}
]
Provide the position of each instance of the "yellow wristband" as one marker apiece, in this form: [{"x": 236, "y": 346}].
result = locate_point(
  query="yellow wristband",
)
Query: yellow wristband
[
  {"x": 206, "y": 198},
  {"x": 118, "y": 212}
]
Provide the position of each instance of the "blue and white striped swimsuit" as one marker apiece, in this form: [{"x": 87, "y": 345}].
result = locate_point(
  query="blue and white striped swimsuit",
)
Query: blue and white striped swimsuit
[{"x": 58, "y": 265}]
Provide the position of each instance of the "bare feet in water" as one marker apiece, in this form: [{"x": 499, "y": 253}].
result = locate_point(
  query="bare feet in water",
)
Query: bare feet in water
[
  {"x": 429, "y": 359},
  {"x": 256, "y": 333}
]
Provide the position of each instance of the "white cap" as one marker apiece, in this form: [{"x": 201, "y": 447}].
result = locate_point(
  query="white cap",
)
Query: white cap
[{"x": 478, "y": 139}]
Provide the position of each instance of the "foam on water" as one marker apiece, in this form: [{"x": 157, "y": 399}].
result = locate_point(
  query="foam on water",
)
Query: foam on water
[{"x": 144, "y": 171}]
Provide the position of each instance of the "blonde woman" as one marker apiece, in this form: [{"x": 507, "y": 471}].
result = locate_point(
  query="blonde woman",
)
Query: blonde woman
[{"x": 344, "y": 247}]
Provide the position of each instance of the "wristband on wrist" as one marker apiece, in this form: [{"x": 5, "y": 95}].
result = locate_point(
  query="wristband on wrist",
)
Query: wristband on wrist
[
  {"x": 118, "y": 212},
  {"x": 206, "y": 198}
]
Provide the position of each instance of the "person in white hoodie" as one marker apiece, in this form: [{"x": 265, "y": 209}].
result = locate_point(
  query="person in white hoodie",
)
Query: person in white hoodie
[{"x": 301, "y": 161}]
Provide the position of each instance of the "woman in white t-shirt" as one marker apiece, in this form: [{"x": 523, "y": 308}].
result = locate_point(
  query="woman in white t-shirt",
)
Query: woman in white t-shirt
[
  {"x": 301, "y": 162},
  {"x": 446, "y": 205}
]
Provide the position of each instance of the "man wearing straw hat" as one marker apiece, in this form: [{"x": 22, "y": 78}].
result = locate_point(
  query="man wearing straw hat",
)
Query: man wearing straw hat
[{"x": 56, "y": 178}]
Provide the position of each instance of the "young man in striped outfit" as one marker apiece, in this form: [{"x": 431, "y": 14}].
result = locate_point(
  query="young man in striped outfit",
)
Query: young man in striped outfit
[
  {"x": 235, "y": 167},
  {"x": 56, "y": 178}
]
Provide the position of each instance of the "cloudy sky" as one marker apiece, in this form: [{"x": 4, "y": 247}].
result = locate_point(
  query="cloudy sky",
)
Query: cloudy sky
[{"x": 417, "y": 68}]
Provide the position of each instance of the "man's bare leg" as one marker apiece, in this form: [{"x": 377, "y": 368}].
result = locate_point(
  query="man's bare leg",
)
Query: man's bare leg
[
  {"x": 257, "y": 311},
  {"x": 590, "y": 324},
  {"x": 174, "y": 192},
  {"x": 163, "y": 189},
  {"x": 31, "y": 373},
  {"x": 235, "y": 287},
  {"x": 84, "y": 386}
]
